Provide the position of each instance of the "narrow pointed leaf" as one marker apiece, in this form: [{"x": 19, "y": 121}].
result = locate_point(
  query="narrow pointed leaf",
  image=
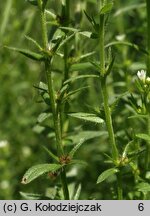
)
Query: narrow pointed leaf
[
  {"x": 107, "y": 8},
  {"x": 51, "y": 154},
  {"x": 80, "y": 77},
  {"x": 76, "y": 147},
  {"x": 87, "y": 117},
  {"x": 106, "y": 174},
  {"x": 38, "y": 170},
  {"x": 28, "y": 53},
  {"x": 143, "y": 187},
  {"x": 78, "y": 192},
  {"x": 143, "y": 136},
  {"x": 43, "y": 116},
  {"x": 74, "y": 92},
  {"x": 32, "y": 196},
  {"x": 33, "y": 2},
  {"x": 34, "y": 42}
]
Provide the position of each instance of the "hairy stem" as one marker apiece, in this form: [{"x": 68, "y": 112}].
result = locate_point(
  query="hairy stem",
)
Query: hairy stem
[
  {"x": 54, "y": 105},
  {"x": 103, "y": 79},
  {"x": 105, "y": 91},
  {"x": 119, "y": 188},
  {"x": 148, "y": 35}
]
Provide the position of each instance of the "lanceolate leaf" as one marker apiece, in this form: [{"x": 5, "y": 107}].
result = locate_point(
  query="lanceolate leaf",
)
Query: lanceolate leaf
[
  {"x": 51, "y": 154},
  {"x": 106, "y": 174},
  {"x": 33, "y": 2},
  {"x": 126, "y": 43},
  {"x": 80, "y": 77},
  {"x": 76, "y": 147},
  {"x": 38, "y": 170},
  {"x": 78, "y": 192},
  {"x": 28, "y": 53},
  {"x": 87, "y": 117},
  {"x": 106, "y": 9},
  {"x": 143, "y": 136}
]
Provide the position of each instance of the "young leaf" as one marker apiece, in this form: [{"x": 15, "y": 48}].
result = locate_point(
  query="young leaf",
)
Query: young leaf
[
  {"x": 106, "y": 174},
  {"x": 76, "y": 147},
  {"x": 86, "y": 135},
  {"x": 34, "y": 42},
  {"x": 78, "y": 192},
  {"x": 33, "y": 2},
  {"x": 143, "y": 187},
  {"x": 28, "y": 53},
  {"x": 38, "y": 170},
  {"x": 80, "y": 77},
  {"x": 143, "y": 136},
  {"x": 43, "y": 116},
  {"x": 87, "y": 117},
  {"x": 106, "y": 8},
  {"x": 110, "y": 66},
  {"x": 51, "y": 154},
  {"x": 74, "y": 92},
  {"x": 32, "y": 196}
]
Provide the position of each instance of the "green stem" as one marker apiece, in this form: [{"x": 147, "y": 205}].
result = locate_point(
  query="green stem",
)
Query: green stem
[
  {"x": 109, "y": 120},
  {"x": 54, "y": 105},
  {"x": 105, "y": 92},
  {"x": 147, "y": 156},
  {"x": 103, "y": 79},
  {"x": 148, "y": 35},
  {"x": 119, "y": 188}
]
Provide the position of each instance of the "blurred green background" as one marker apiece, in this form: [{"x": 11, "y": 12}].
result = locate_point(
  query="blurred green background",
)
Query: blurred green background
[{"x": 20, "y": 145}]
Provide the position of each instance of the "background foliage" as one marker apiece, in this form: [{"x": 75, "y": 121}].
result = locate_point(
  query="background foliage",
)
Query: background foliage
[{"x": 21, "y": 139}]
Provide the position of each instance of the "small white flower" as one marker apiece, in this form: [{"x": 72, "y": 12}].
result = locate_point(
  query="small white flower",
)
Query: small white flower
[{"x": 142, "y": 75}]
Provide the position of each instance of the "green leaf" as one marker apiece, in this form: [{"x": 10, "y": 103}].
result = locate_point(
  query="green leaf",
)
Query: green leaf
[
  {"x": 78, "y": 192},
  {"x": 43, "y": 116},
  {"x": 143, "y": 136},
  {"x": 74, "y": 92},
  {"x": 138, "y": 116},
  {"x": 86, "y": 135},
  {"x": 33, "y": 2},
  {"x": 51, "y": 154},
  {"x": 143, "y": 187},
  {"x": 32, "y": 196},
  {"x": 115, "y": 103},
  {"x": 80, "y": 77},
  {"x": 128, "y": 8},
  {"x": 28, "y": 53},
  {"x": 81, "y": 66},
  {"x": 81, "y": 162},
  {"x": 38, "y": 170},
  {"x": 128, "y": 148},
  {"x": 106, "y": 8},
  {"x": 70, "y": 29},
  {"x": 88, "y": 34},
  {"x": 106, "y": 174},
  {"x": 87, "y": 117},
  {"x": 76, "y": 147},
  {"x": 66, "y": 40},
  {"x": 34, "y": 42},
  {"x": 126, "y": 43},
  {"x": 110, "y": 66}
]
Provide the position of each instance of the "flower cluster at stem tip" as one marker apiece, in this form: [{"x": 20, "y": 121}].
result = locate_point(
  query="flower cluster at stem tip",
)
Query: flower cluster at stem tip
[{"x": 142, "y": 77}]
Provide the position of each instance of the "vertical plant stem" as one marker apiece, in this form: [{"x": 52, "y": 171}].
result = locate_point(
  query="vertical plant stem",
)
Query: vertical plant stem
[
  {"x": 119, "y": 188},
  {"x": 54, "y": 105},
  {"x": 105, "y": 92},
  {"x": 108, "y": 117},
  {"x": 5, "y": 18},
  {"x": 67, "y": 19},
  {"x": 147, "y": 159},
  {"x": 148, "y": 35}
]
